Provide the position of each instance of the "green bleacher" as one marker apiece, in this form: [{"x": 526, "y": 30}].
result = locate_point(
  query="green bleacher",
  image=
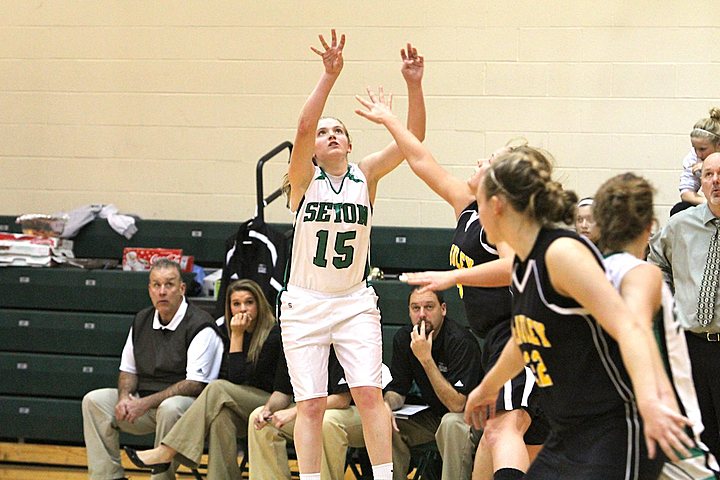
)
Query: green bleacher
[{"x": 62, "y": 328}]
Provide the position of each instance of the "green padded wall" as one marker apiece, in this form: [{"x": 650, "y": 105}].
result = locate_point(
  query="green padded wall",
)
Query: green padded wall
[
  {"x": 407, "y": 249},
  {"x": 65, "y": 376},
  {"x": 78, "y": 333},
  {"x": 49, "y": 420},
  {"x": 65, "y": 289}
]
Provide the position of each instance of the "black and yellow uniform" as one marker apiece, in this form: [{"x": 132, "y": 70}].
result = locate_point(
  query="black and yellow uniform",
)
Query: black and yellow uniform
[
  {"x": 585, "y": 390},
  {"x": 488, "y": 314}
]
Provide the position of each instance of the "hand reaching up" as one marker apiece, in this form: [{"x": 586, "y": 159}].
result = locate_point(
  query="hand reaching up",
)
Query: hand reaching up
[
  {"x": 413, "y": 64},
  {"x": 332, "y": 55},
  {"x": 378, "y": 108}
]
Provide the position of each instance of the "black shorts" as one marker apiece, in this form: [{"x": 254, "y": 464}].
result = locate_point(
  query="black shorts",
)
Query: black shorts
[
  {"x": 518, "y": 393},
  {"x": 596, "y": 450}
]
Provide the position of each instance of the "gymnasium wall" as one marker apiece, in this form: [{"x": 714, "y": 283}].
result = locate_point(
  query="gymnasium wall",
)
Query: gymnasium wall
[{"x": 164, "y": 107}]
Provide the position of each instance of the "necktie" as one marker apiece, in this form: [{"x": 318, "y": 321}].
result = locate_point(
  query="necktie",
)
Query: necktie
[{"x": 709, "y": 284}]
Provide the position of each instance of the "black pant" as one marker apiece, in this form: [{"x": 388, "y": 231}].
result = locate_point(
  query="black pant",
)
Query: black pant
[{"x": 705, "y": 361}]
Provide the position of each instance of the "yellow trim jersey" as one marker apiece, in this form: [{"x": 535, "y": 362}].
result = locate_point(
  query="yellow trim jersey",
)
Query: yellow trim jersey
[{"x": 331, "y": 241}]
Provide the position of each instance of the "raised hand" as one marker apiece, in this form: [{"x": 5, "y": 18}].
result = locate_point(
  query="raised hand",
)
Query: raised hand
[
  {"x": 413, "y": 64},
  {"x": 421, "y": 342},
  {"x": 378, "y": 108},
  {"x": 332, "y": 55}
]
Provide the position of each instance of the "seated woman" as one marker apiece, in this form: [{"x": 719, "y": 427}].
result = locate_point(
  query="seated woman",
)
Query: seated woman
[
  {"x": 705, "y": 139},
  {"x": 221, "y": 412}
]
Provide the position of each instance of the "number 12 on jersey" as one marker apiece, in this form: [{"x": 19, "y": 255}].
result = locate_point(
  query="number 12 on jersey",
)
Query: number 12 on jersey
[{"x": 345, "y": 252}]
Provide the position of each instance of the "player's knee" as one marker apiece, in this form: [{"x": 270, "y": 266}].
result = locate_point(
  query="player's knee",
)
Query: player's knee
[{"x": 367, "y": 398}]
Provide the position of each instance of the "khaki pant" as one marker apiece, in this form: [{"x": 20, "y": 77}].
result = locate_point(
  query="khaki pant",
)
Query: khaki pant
[
  {"x": 102, "y": 430},
  {"x": 221, "y": 414},
  {"x": 268, "y": 446},
  {"x": 454, "y": 438}
]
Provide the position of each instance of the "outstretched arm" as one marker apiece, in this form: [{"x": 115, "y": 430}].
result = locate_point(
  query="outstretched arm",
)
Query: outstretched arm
[
  {"x": 495, "y": 273},
  {"x": 301, "y": 167},
  {"x": 378, "y": 164}
]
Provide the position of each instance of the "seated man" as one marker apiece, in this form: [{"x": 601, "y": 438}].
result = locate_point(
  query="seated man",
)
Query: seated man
[
  {"x": 271, "y": 426},
  {"x": 443, "y": 360},
  {"x": 172, "y": 351}
]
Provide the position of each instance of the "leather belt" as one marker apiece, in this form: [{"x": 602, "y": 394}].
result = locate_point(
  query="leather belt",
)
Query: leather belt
[{"x": 708, "y": 336}]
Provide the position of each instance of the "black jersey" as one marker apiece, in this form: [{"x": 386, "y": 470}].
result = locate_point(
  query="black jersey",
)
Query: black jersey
[
  {"x": 577, "y": 365},
  {"x": 484, "y": 307}
]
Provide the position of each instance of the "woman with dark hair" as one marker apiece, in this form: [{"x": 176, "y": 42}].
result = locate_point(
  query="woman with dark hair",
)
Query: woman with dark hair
[
  {"x": 221, "y": 412},
  {"x": 589, "y": 352},
  {"x": 625, "y": 219}
]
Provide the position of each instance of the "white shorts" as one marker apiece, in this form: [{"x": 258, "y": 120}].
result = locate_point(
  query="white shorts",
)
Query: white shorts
[{"x": 311, "y": 321}]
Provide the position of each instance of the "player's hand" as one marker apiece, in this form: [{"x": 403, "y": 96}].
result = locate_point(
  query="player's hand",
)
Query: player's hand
[
  {"x": 413, "y": 64},
  {"x": 480, "y": 406},
  {"x": 665, "y": 427},
  {"x": 430, "y": 281},
  {"x": 378, "y": 107},
  {"x": 332, "y": 54}
]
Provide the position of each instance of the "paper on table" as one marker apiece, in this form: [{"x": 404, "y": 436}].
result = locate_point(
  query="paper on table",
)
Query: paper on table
[{"x": 407, "y": 411}]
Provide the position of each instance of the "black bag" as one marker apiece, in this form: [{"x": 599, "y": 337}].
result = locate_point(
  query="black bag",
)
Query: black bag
[{"x": 257, "y": 252}]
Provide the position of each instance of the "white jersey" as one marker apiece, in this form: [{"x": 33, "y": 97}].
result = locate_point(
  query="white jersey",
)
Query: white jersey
[
  {"x": 331, "y": 241},
  {"x": 673, "y": 348}
]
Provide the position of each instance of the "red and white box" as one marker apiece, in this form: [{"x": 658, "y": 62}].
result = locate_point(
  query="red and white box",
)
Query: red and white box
[
  {"x": 17, "y": 249},
  {"x": 140, "y": 259}
]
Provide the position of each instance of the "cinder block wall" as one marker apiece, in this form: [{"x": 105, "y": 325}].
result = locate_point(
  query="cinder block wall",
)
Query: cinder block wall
[{"x": 164, "y": 107}]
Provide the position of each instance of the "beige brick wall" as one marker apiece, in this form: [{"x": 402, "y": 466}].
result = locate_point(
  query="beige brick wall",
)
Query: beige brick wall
[{"x": 164, "y": 107}]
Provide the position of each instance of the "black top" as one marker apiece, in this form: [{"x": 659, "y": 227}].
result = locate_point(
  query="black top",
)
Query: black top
[
  {"x": 161, "y": 355},
  {"x": 456, "y": 353},
  {"x": 484, "y": 307},
  {"x": 259, "y": 374},
  {"x": 336, "y": 376},
  {"x": 577, "y": 365}
]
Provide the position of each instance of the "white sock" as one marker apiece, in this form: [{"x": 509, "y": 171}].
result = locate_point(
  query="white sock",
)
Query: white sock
[
  {"x": 309, "y": 476},
  {"x": 383, "y": 472}
]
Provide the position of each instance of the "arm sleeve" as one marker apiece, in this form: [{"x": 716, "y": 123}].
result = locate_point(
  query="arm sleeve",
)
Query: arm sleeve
[
  {"x": 464, "y": 369},
  {"x": 127, "y": 360},
  {"x": 260, "y": 374},
  {"x": 688, "y": 181},
  {"x": 238, "y": 367},
  {"x": 661, "y": 255},
  {"x": 204, "y": 356},
  {"x": 402, "y": 376}
]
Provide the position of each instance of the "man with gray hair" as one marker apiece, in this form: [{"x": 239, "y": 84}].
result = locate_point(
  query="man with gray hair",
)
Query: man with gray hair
[
  {"x": 688, "y": 252},
  {"x": 173, "y": 350}
]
